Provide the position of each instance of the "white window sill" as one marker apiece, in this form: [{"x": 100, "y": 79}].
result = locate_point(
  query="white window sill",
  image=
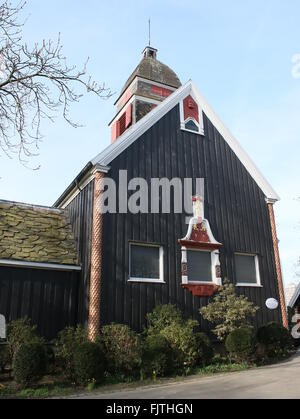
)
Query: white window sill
[
  {"x": 249, "y": 285},
  {"x": 194, "y": 132},
  {"x": 146, "y": 281}
]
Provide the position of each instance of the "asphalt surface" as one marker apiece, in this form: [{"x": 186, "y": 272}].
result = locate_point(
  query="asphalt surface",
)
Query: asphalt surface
[{"x": 281, "y": 381}]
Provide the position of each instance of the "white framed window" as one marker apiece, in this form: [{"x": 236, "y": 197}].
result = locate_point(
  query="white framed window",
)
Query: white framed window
[
  {"x": 200, "y": 267},
  {"x": 191, "y": 116},
  {"x": 247, "y": 273},
  {"x": 146, "y": 263}
]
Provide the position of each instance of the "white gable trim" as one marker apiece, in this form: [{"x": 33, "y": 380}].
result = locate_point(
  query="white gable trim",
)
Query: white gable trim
[
  {"x": 134, "y": 132},
  {"x": 294, "y": 297}
]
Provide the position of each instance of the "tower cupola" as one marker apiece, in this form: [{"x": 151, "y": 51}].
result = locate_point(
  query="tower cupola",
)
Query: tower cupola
[{"x": 149, "y": 84}]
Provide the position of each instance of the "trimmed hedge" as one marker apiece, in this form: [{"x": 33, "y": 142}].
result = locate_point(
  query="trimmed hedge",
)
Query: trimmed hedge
[
  {"x": 88, "y": 363},
  {"x": 163, "y": 316},
  {"x": 275, "y": 339},
  {"x": 121, "y": 348},
  {"x": 240, "y": 344},
  {"x": 156, "y": 356},
  {"x": 29, "y": 364},
  {"x": 4, "y": 357},
  {"x": 21, "y": 332},
  {"x": 68, "y": 340},
  {"x": 205, "y": 350},
  {"x": 181, "y": 338}
]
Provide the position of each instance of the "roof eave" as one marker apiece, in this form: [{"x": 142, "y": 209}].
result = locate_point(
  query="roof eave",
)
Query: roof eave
[
  {"x": 90, "y": 168},
  {"x": 294, "y": 297}
]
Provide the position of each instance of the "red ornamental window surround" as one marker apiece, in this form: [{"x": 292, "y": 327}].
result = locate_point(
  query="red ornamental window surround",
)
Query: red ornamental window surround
[
  {"x": 200, "y": 275},
  {"x": 191, "y": 109}
]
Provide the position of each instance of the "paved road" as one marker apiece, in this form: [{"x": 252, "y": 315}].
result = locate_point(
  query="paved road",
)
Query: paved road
[{"x": 274, "y": 382}]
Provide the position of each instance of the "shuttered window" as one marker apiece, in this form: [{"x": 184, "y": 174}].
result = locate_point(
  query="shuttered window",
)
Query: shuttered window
[
  {"x": 246, "y": 269},
  {"x": 122, "y": 123},
  {"x": 199, "y": 266},
  {"x": 145, "y": 262}
]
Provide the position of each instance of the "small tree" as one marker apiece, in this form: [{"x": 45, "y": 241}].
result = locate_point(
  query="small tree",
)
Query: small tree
[{"x": 228, "y": 311}]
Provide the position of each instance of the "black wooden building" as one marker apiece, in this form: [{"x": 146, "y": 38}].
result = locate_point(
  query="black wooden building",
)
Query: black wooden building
[{"x": 131, "y": 261}]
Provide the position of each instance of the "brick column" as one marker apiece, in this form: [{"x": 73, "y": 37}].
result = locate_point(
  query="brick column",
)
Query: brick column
[
  {"x": 96, "y": 259},
  {"x": 278, "y": 266}
]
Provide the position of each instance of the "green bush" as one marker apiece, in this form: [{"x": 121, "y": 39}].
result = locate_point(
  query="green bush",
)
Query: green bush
[
  {"x": 240, "y": 344},
  {"x": 29, "y": 363},
  {"x": 275, "y": 339},
  {"x": 182, "y": 340},
  {"x": 163, "y": 316},
  {"x": 156, "y": 356},
  {"x": 228, "y": 311},
  {"x": 88, "y": 363},
  {"x": 4, "y": 357},
  {"x": 205, "y": 350},
  {"x": 121, "y": 348},
  {"x": 188, "y": 348},
  {"x": 21, "y": 332},
  {"x": 68, "y": 340}
]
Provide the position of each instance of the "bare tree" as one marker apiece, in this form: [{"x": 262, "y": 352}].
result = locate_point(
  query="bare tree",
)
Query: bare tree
[{"x": 35, "y": 82}]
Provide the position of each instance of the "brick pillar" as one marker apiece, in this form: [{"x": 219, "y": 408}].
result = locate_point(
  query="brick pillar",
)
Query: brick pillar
[
  {"x": 278, "y": 267},
  {"x": 96, "y": 260}
]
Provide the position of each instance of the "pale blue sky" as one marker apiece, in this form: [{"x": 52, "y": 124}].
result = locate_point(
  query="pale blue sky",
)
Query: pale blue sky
[{"x": 239, "y": 55}]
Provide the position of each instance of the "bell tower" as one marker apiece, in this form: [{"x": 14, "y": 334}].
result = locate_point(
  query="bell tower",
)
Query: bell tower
[{"x": 149, "y": 84}]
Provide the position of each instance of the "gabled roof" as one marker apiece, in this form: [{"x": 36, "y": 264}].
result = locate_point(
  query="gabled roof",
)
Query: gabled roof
[
  {"x": 295, "y": 297},
  {"x": 133, "y": 133},
  {"x": 36, "y": 234}
]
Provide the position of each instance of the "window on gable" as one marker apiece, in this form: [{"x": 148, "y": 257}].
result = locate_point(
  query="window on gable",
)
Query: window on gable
[
  {"x": 191, "y": 116},
  {"x": 146, "y": 263},
  {"x": 191, "y": 126},
  {"x": 199, "y": 266},
  {"x": 247, "y": 270}
]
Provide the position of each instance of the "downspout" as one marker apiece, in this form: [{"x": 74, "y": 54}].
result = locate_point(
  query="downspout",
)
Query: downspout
[{"x": 278, "y": 264}]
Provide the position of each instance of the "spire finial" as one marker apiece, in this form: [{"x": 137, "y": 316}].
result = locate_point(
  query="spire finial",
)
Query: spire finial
[{"x": 149, "y": 21}]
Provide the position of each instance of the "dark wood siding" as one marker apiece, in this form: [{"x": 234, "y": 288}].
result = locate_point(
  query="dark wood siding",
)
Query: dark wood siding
[
  {"x": 47, "y": 298},
  {"x": 234, "y": 205},
  {"x": 81, "y": 214}
]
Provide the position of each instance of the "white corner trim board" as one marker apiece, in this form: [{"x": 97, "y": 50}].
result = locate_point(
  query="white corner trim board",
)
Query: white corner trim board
[
  {"x": 36, "y": 265},
  {"x": 294, "y": 297},
  {"x": 133, "y": 133}
]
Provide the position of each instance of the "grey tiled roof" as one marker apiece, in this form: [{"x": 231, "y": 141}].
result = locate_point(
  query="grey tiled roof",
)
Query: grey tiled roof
[{"x": 36, "y": 234}]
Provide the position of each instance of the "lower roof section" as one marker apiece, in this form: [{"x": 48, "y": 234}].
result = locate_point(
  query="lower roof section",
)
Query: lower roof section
[{"x": 35, "y": 234}]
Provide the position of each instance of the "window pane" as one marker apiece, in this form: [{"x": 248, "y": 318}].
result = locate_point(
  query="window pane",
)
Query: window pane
[
  {"x": 191, "y": 126},
  {"x": 144, "y": 262},
  {"x": 199, "y": 266},
  {"x": 245, "y": 269}
]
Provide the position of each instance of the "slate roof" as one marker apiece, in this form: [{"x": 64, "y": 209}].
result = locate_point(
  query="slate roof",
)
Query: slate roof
[
  {"x": 36, "y": 234},
  {"x": 154, "y": 70}
]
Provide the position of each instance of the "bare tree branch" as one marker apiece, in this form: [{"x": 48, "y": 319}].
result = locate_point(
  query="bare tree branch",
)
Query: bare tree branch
[{"x": 35, "y": 82}]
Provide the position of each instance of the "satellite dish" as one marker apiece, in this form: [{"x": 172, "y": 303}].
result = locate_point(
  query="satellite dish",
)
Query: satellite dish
[{"x": 272, "y": 304}]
